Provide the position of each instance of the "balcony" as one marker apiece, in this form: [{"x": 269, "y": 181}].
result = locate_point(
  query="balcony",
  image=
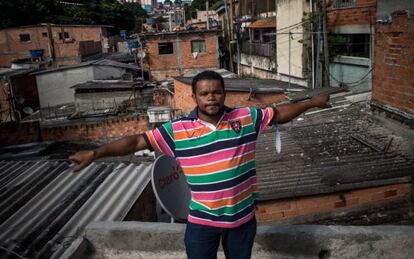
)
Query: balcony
[{"x": 259, "y": 49}]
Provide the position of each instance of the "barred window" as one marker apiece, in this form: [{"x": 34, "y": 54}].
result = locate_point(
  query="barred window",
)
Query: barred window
[
  {"x": 24, "y": 37},
  {"x": 354, "y": 45},
  {"x": 165, "y": 48},
  {"x": 344, "y": 3},
  {"x": 63, "y": 35}
]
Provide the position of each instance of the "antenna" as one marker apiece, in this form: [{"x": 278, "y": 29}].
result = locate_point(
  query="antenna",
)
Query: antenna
[{"x": 170, "y": 187}]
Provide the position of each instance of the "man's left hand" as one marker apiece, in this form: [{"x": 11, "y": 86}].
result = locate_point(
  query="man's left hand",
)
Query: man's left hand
[{"x": 321, "y": 101}]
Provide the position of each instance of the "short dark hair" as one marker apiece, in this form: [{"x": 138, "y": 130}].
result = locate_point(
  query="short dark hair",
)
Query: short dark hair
[{"x": 206, "y": 75}]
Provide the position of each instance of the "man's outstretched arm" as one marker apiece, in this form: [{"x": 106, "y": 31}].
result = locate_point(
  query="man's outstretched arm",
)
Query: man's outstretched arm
[
  {"x": 121, "y": 147},
  {"x": 288, "y": 112}
]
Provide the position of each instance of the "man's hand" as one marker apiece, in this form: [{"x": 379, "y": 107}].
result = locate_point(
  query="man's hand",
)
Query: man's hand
[
  {"x": 321, "y": 101},
  {"x": 288, "y": 112},
  {"x": 83, "y": 159}
]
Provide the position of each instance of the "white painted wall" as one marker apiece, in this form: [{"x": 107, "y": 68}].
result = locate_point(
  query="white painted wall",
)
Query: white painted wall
[
  {"x": 100, "y": 101},
  {"x": 290, "y": 12},
  {"x": 107, "y": 72},
  {"x": 257, "y": 66},
  {"x": 54, "y": 87}
]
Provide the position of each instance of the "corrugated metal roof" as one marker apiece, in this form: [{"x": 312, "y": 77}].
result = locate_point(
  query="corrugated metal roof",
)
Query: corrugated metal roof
[
  {"x": 106, "y": 84},
  {"x": 102, "y": 62},
  {"x": 44, "y": 206},
  {"x": 264, "y": 23},
  {"x": 9, "y": 72},
  {"x": 223, "y": 72},
  {"x": 252, "y": 84},
  {"x": 322, "y": 153}
]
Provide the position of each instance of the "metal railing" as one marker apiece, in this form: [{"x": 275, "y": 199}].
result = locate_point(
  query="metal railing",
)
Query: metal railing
[
  {"x": 344, "y": 3},
  {"x": 259, "y": 49}
]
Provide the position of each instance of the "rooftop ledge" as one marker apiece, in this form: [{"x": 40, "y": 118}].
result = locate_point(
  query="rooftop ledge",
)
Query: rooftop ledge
[{"x": 165, "y": 240}]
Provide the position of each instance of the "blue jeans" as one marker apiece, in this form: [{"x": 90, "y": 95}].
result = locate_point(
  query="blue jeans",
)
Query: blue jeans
[{"x": 202, "y": 242}]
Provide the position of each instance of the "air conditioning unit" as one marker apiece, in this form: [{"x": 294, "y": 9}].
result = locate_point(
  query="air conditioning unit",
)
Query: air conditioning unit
[{"x": 68, "y": 40}]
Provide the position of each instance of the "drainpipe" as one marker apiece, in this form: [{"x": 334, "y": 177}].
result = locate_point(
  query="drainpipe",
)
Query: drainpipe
[
  {"x": 325, "y": 45},
  {"x": 51, "y": 43},
  {"x": 313, "y": 47}
]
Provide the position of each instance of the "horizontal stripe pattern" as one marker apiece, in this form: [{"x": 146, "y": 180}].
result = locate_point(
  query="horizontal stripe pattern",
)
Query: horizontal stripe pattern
[{"x": 219, "y": 163}]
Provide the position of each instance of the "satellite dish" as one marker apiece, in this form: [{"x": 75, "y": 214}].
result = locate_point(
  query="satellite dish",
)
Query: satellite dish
[
  {"x": 28, "y": 110},
  {"x": 170, "y": 187}
]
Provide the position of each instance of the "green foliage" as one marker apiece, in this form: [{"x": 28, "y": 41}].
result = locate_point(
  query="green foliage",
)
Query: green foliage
[
  {"x": 24, "y": 12},
  {"x": 127, "y": 16},
  {"x": 191, "y": 11}
]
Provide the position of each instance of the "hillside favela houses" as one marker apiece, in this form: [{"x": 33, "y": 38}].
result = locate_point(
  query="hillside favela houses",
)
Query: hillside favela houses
[
  {"x": 341, "y": 186},
  {"x": 62, "y": 44},
  {"x": 169, "y": 54}
]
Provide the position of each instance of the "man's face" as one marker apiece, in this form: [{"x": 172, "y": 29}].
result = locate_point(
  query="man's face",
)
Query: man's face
[{"x": 209, "y": 97}]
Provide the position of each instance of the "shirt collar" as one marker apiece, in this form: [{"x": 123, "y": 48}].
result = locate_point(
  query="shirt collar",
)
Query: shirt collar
[{"x": 194, "y": 113}]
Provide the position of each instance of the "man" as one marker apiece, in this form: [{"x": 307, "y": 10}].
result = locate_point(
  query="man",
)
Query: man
[{"x": 215, "y": 146}]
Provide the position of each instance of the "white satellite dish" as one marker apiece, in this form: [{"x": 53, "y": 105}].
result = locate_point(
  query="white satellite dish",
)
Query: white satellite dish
[
  {"x": 195, "y": 54},
  {"x": 170, "y": 187}
]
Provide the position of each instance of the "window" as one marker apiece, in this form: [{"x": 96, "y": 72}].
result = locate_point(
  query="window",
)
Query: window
[
  {"x": 165, "y": 48},
  {"x": 63, "y": 35},
  {"x": 198, "y": 46},
  {"x": 343, "y": 3},
  {"x": 354, "y": 45},
  {"x": 24, "y": 37},
  {"x": 44, "y": 34}
]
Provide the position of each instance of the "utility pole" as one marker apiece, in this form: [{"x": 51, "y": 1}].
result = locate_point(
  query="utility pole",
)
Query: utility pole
[
  {"x": 227, "y": 36},
  {"x": 290, "y": 37},
  {"x": 51, "y": 43},
  {"x": 208, "y": 16}
]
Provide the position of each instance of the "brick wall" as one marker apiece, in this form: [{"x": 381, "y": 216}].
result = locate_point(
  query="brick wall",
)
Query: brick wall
[
  {"x": 393, "y": 78},
  {"x": 18, "y": 133},
  {"x": 12, "y": 48},
  {"x": 283, "y": 209},
  {"x": 108, "y": 129},
  {"x": 363, "y": 12},
  {"x": 181, "y": 60},
  {"x": 185, "y": 103}
]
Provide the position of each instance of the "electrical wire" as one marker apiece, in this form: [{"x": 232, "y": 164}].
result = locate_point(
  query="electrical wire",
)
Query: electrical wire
[{"x": 350, "y": 83}]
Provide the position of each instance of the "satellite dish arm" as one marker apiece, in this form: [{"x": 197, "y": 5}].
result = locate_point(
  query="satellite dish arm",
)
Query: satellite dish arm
[{"x": 124, "y": 146}]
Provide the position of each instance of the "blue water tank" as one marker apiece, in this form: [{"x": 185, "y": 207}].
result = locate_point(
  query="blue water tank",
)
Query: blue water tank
[
  {"x": 133, "y": 44},
  {"x": 36, "y": 53}
]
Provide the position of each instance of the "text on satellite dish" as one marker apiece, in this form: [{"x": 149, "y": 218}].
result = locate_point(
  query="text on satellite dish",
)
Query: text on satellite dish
[{"x": 167, "y": 180}]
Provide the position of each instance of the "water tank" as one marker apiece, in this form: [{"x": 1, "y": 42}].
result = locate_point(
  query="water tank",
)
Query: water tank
[
  {"x": 133, "y": 44},
  {"x": 36, "y": 53}
]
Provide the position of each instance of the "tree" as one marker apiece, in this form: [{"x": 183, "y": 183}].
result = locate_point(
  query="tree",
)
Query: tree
[
  {"x": 98, "y": 12},
  {"x": 25, "y": 12},
  {"x": 191, "y": 11}
]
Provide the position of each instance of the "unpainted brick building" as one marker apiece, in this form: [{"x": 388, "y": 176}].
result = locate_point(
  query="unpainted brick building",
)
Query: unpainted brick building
[
  {"x": 170, "y": 54},
  {"x": 393, "y": 82},
  {"x": 67, "y": 44}
]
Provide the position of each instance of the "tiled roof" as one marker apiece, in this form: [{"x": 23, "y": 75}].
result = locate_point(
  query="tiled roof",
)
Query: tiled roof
[
  {"x": 252, "y": 85},
  {"x": 264, "y": 24}
]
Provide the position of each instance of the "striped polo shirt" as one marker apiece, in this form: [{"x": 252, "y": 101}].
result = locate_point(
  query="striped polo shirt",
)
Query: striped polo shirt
[{"x": 218, "y": 162}]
